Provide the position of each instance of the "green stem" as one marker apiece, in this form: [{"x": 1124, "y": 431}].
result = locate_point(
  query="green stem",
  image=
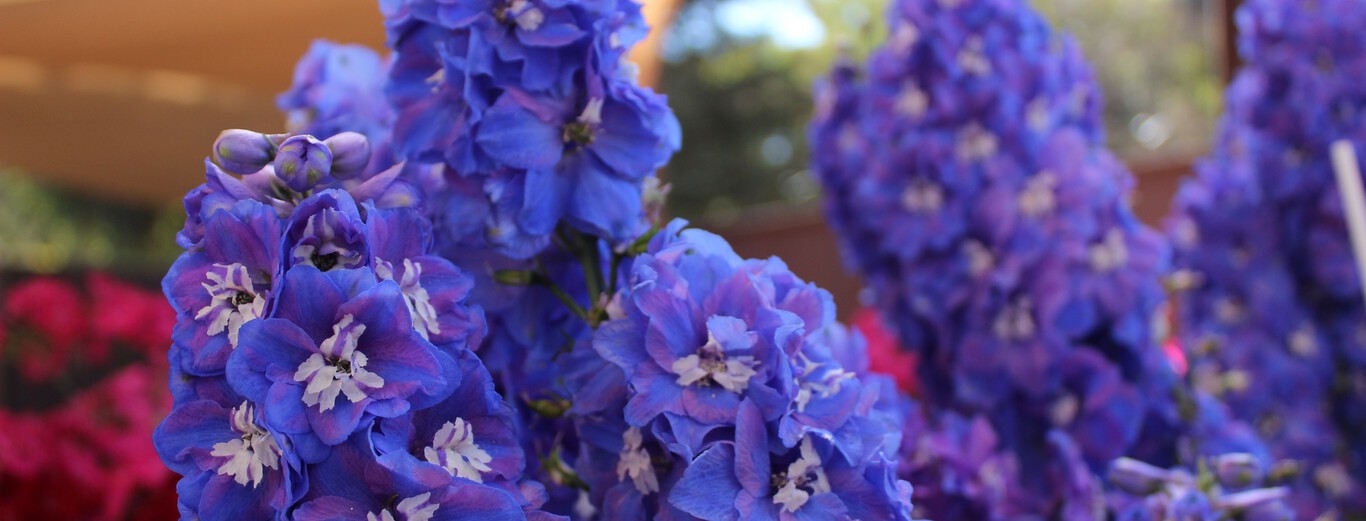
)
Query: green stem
[
  {"x": 612, "y": 282},
  {"x": 543, "y": 278},
  {"x": 569, "y": 301}
]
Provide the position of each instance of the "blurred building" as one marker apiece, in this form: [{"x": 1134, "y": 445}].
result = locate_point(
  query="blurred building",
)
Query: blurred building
[{"x": 107, "y": 108}]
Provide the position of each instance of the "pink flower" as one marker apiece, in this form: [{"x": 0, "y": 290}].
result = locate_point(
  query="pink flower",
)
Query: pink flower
[
  {"x": 885, "y": 354},
  {"x": 128, "y": 314},
  {"x": 50, "y": 311}
]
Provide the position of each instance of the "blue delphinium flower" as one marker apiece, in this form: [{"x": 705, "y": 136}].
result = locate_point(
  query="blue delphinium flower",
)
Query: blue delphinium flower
[
  {"x": 808, "y": 481},
  {"x": 966, "y": 176},
  {"x": 1272, "y": 311},
  {"x": 233, "y": 465},
  {"x": 531, "y": 107},
  {"x": 353, "y": 349},
  {"x": 351, "y": 484},
  {"x": 339, "y": 88},
  {"x": 967, "y": 185},
  {"x": 225, "y": 283},
  {"x": 323, "y": 364},
  {"x": 704, "y": 356},
  {"x": 332, "y": 301}
]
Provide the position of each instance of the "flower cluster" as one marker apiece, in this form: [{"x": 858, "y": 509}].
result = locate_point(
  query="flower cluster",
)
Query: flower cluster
[
  {"x": 720, "y": 388},
  {"x": 965, "y": 174},
  {"x": 90, "y": 442},
  {"x": 321, "y": 365},
  {"x": 532, "y": 114},
  {"x": 340, "y": 88},
  {"x": 51, "y": 325},
  {"x": 1228, "y": 487},
  {"x": 1272, "y": 308}
]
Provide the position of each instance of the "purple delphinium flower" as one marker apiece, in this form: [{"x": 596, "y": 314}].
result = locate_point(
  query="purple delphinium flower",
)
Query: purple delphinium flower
[
  {"x": 317, "y": 333},
  {"x": 701, "y": 330},
  {"x": 747, "y": 479},
  {"x": 224, "y": 283},
  {"x": 1229, "y": 489},
  {"x": 351, "y": 484},
  {"x": 470, "y": 435},
  {"x": 233, "y": 464},
  {"x": 326, "y": 232},
  {"x": 961, "y": 471},
  {"x": 1272, "y": 309},
  {"x": 532, "y": 105},
  {"x": 339, "y": 351},
  {"x": 400, "y": 242},
  {"x": 967, "y": 180},
  {"x": 701, "y": 348},
  {"x": 339, "y": 88}
]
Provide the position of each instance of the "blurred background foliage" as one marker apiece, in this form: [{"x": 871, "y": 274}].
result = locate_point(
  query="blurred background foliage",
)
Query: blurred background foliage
[
  {"x": 739, "y": 74},
  {"x": 50, "y": 230}
]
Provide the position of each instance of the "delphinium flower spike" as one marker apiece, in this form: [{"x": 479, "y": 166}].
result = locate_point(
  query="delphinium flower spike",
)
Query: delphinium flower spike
[
  {"x": 322, "y": 361},
  {"x": 1272, "y": 307},
  {"x": 966, "y": 177}
]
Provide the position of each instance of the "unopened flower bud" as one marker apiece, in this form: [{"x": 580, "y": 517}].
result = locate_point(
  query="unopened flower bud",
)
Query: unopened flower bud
[
  {"x": 1137, "y": 477},
  {"x": 242, "y": 151},
  {"x": 513, "y": 277},
  {"x": 1268, "y": 501},
  {"x": 550, "y": 407},
  {"x": 350, "y": 154},
  {"x": 302, "y": 162},
  {"x": 1238, "y": 470}
]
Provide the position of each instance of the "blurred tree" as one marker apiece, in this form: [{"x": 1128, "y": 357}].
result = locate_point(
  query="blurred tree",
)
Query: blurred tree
[
  {"x": 1158, "y": 63},
  {"x": 47, "y": 230},
  {"x": 739, "y": 75}
]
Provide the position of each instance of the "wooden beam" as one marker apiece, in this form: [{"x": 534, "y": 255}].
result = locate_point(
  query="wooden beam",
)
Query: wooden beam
[{"x": 660, "y": 15}]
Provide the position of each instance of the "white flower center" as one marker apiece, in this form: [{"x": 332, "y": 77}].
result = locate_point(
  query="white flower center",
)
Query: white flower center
[
  {"x": 635, "y": 462},
  {"x": 1064, "y": 410},
  {"x": 711, "y": 364},
  {"x": 1302, "y": 341},
  {"x": 817, "y": 381},
  {"x": 583, "y": 506},
  {"x": 975, "y": 143},
  {"x": 1334, "y": 479},
  {"x": 528, "y": 17},
  {"x": 1037, "y": 199},
  {"x": 453, "y": 448},
  {"x": 234, "y": 300},
  {"x": 804, "y": 478},
  {"x": 912, "y": 102},
  {"x": 980, "y": 259},
  {"x": 1228, "y": 310},
  {"x": 1037, "y": 114},
  {"x": 922, "y": 197},
  {"x": 414, "y": 295},
  {"x": 904, "y": 37},
  {"x": 327, "y": 253},
  {"x": 1237, "y": 380},
  {"x": 337, "y": 368},
  {"x": 1015, "y": 322},
  {"x": 249, "y": 455},
  {"x": 436, "y": 79},
  {"x": 1110, "y": 253},
  {"x": 592, "y": 113},
  {"x": 973, "y": 59},
  {"x": 849, "y": 138},
  {"x": 1186, "y": 233},
  {"x": 415, "y": 508}
]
